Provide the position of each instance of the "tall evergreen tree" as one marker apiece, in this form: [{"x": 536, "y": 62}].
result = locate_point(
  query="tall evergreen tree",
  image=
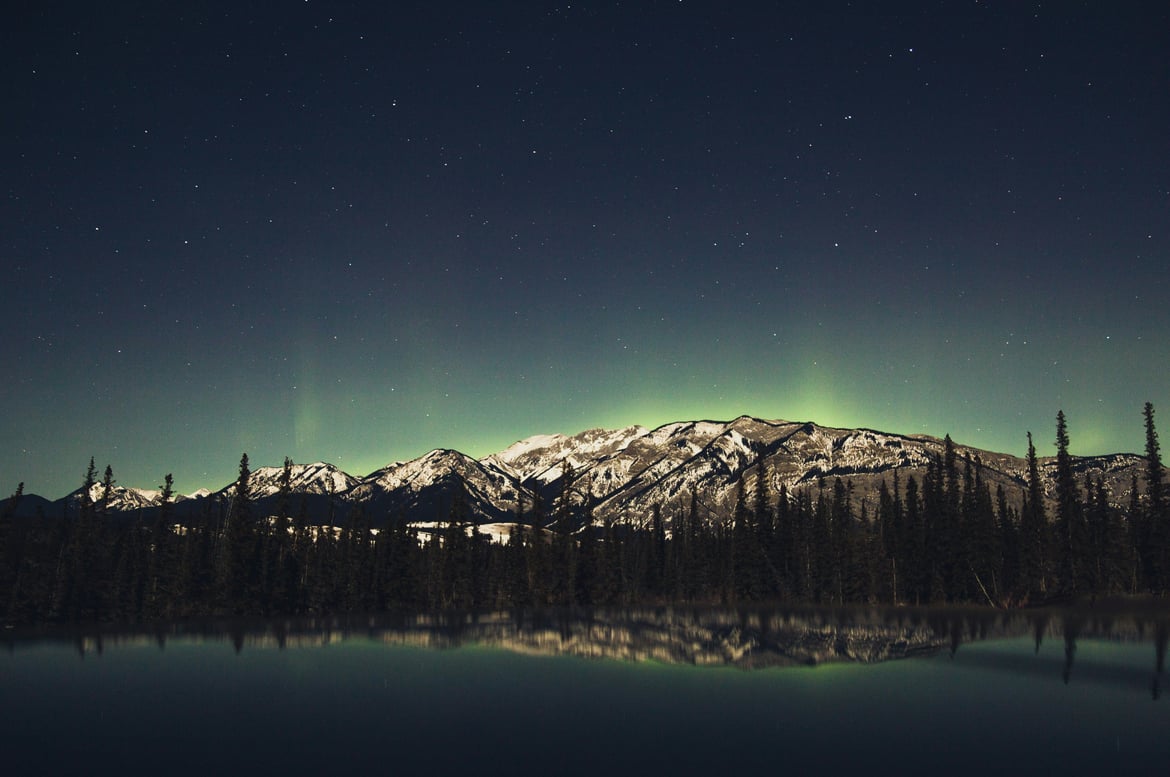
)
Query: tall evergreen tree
[
  {"x": 1009, "y": 545},
  {"x": 840, "y": 545},
  {"x": 563, "y": 508},
  {"x": 1033, "y": 532},
  {"x": 938, "y": 551},
  {"x": 235, "y": 570},
  {"x": 162, "y": 557},
  {"x": 87, "y": 487},
  {"x": 1137, "y": 537},
  {"x": 10, "y": 551},
  {"x": 1072, "y": 541},
  {"x": 736, "y": 570},
  {"x": 76, "y": 581},
  {"x": 280, "y": 561},
  {"x": 107, "y": 491},
  {"x": 914, "y": 558},
  {"x": 1156, "y": 555},
  {"x": 752, "y": 568},
  {"x": 891, "y": 520},
  {"x": 982, "y": 537},
  {"x": 949, "y": 529}
]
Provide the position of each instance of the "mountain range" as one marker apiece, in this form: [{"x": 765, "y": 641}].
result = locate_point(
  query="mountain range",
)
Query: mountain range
[{"x": 620, "y": 475}]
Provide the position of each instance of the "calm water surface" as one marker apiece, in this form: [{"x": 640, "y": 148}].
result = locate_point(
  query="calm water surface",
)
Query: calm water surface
[{"x": 1057, "y": 696}]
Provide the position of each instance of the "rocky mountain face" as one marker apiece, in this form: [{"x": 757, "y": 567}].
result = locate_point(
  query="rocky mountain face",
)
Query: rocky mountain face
[
  {"x": 635, "y": 470},
  {"x": 426, "y": 488},
  {"x": 317, "y": 478},
  {"x": 623, "y": 475},
  {"x": 121, "y": 499}
]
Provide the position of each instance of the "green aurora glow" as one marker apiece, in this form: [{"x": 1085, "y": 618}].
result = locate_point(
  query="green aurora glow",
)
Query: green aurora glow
[{"x": 945, "y": 221}]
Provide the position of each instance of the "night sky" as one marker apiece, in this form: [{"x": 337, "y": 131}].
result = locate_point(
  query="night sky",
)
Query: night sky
[{"x": 356, "y": 232}]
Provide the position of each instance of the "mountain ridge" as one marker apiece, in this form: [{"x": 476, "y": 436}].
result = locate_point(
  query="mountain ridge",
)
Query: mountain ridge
[{"x": 616, "y": 475}]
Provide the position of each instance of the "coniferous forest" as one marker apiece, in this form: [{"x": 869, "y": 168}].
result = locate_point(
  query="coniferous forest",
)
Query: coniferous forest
[{"x": 942, "y": 539}]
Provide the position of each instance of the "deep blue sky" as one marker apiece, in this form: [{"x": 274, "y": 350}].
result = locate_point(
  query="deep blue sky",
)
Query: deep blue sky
[{"x": 355, "y": 232}]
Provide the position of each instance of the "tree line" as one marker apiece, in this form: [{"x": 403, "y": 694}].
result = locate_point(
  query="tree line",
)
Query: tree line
[{"x": 946, "y": 538}]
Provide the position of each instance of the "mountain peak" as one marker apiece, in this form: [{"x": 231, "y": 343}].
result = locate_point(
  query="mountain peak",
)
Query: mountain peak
[
  {"x": 545, "y": 457},
  {"x": 316, "y": 478},
  {"x": 626, "y": 474}
]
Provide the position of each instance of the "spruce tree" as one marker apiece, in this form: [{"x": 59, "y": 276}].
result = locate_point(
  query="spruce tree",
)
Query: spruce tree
[
  {"x": 886, "y": 528},
  {"x": 736, "y": 565},
  {"x": 87, "y": 487},
  {"x": 1009, "y": 544},
  {"x": 1072, "y": 540},
  {"x": 840, "y": 547},
  {"x": 281, "y": 567},
  {"x": 161, "y": 561},
  {"x": 237, "y": 549},
  {"x": 9, "y": 551},
  {"x": 764, "y": 560},
  {"x": 107, "y": 491},
  {"x": 949, "y": 528},
  {"x": 914, "y": 557},
  {"x": 1033, "y": 532},
  {"x": 983, "y": 540},
  {"x": 1157, "y": 514},
  {"x": 1137, "y": 537},
  {"x": 74, "y": 588},
  {"x": 937, "y": 537}
]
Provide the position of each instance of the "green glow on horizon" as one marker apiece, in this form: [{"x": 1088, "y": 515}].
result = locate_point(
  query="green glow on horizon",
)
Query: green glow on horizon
[
  {"x": 369, "y": 398},
  {"x": 362, "y": 426}
]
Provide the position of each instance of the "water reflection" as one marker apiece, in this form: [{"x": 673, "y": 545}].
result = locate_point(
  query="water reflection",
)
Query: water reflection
[
  {"x": 1072, "y": 629},
  {"x": 745, "y": 638},
  {"x": 1161, "y": 636}
]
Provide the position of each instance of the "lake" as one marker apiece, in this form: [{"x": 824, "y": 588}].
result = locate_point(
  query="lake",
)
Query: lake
[{"x": 649, "y": 691}]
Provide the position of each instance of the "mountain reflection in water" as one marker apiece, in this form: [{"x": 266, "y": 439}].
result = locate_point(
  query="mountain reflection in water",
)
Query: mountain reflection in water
[{"x": 744, "y": 638}]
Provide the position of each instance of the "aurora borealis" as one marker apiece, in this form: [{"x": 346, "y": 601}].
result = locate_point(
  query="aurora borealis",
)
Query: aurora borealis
[{"x": 353, "y": 232}]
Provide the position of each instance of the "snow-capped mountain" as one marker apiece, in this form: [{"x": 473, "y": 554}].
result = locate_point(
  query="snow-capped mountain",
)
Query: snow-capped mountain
[
  {"x": 543, "y": 458},
  {"x": 623, "y": 475},
  {"x": 426, "y": 489},
  {"x": 627, "y": 473},
  {"x": 316, "y": 478},
  {"x": 121, "y": 498}
]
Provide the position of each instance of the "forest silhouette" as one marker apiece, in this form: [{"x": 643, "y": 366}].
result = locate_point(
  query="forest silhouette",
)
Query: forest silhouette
[{"x": 944, "y": 539}]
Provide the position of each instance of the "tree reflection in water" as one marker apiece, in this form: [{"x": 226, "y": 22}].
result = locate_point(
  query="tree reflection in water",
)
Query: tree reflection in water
[{"x": 749, "y": 638}]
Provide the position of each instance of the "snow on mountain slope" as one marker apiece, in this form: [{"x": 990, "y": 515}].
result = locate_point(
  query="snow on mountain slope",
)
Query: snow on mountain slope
[
  {"x": 122, "y": 498},
  {"x": 670, "y": 463},
  {"x": 663, "y": 468},
  {"x": 431, "y": 481},
  {"x": 624, "y": 474},
  {"x": 648, "y": 458},
  {"x": 542, "y": 457},
  {"x": 315, "y": 478},
  {"x": 419, "y": 473}
]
